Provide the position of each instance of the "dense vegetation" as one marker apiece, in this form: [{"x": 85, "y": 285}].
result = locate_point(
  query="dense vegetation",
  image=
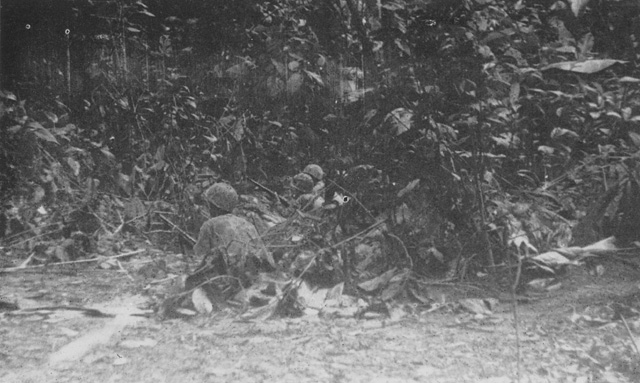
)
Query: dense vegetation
[{"x": 478, "y": 127}]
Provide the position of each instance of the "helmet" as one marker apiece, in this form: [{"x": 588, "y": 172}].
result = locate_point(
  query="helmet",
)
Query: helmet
[
  {"x": 303, "y": 182},
  {"x": 222, "y": 196},
  {"x": 314, "y": 171}
]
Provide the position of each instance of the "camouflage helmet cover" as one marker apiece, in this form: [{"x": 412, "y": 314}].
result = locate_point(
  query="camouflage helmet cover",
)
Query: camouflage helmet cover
[
  {"x": 222, "y": 195},
  {"x": 303, "y": 182},
  {"x": 314, "y": 171}
]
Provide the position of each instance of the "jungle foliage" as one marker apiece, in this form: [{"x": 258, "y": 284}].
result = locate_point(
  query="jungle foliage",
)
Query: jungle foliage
[{"x": 475, "y": 126}]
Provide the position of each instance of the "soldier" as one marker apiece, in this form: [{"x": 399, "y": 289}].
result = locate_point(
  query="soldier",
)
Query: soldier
[
  {"x": 310, "y": 183},
  {"x": 228, "y": 244},
  {"x": 317, "y": 174}
]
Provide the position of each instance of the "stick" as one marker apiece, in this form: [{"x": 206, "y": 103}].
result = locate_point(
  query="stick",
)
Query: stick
[
  {"x": 32, "y": 238},
  {"x": 187, "y": 236},
  {"x": 404, "y": 248},
  {"x": 127, "y": 254},
  {"x": 16, "y": 235},
  {"x": 633, "y": 341},
  {"x": 514, "y": 308},
  {"x": 358, "y": 234}
]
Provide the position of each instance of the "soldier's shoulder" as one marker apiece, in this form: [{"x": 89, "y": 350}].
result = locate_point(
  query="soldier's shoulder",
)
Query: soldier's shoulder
[{"x": 227, "y": 221}]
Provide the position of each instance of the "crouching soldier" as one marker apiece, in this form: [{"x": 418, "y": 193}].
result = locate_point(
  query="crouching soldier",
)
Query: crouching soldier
[
  {"x": 311, "y": 187},
  {"x": 228, "y": 244}
]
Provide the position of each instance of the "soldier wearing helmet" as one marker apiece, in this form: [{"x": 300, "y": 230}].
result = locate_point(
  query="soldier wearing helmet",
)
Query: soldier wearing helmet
[
  {"x": 302, "y": 183},
  {"x": 315, "y": 172},
  {"x": 227, "y": 236},
  {"x": 221, "y": 198},
  {"x": 311, "y": 198}
]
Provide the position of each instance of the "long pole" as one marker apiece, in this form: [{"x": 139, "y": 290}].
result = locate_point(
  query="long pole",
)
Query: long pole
[
  {"x": 67, "y": 33},
  {"x": 1, "y": 84}
]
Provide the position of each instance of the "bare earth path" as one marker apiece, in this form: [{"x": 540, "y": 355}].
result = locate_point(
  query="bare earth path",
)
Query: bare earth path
[{"x": 573, "y": 334}]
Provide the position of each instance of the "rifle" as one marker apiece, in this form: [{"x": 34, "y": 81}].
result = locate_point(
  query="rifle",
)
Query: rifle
[{"x": 274, "y": 194}]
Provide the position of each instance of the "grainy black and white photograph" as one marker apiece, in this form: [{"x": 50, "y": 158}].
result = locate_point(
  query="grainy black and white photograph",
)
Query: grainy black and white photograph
[{"x": 320, "y": 191}]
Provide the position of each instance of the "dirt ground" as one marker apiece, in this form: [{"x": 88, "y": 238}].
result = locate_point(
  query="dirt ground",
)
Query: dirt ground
[{"x": 574, "y": 333}]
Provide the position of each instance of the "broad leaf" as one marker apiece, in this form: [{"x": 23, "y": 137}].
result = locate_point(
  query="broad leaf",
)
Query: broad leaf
[
  {"x": 8, "y": 96},
  {"x": 589, "y": 67},
  {"x": 514, "y": 94},
  {"x": 559, "y": 132},
  {"x": 577, "y": 6},
  {"x": 41, "y": 132},
  {"x": 410, "y": 186},
  {"x": 315, "y": 77},
  {"x": 629, "y": 80},
  {"x": 237, "y": 70},
  {"x": 201, "y": 302},
  {"x": 51, "y": 116},
  {"x": 400, "y": 120},
  {"x": 74, "y": 165},
  {"x": 635, "y": 138},
  {"x": 107, "y": 153}
]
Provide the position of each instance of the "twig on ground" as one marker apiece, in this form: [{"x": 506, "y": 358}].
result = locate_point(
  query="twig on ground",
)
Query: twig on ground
[
  {"x": 26, "y": 262},
  {"x": 358, "y": 234},
  {"x": 32, "y": 238},
  {"x": 404, "y": 249},
  {"x": 124, "y": 223},
  {"x": 184, "y": 233},
  {"x": 98, "y": 259},
  {"x": 447, "y": 282},
  {"x": 104, "y": 223},
  {"x": 118, "y": 229},
  {"x": 633, "y": 341},
  {"x": 124, "y": 270}
]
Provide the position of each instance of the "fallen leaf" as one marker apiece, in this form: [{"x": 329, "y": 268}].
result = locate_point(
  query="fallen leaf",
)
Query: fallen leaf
[
  {"x": 120, "y": 360},
  {"x": 475, "y": 306},
  {"x": 201, "y": 302},
  {"x": 375, "y": 283}
]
